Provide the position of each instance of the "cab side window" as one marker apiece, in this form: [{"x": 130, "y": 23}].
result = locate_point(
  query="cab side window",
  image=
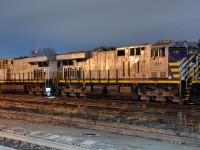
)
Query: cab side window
[
  {"x": 160, "y": 52},
  {"x": 138, "y": 51}
]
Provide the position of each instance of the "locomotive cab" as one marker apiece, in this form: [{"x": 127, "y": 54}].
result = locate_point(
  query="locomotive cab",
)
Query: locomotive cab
[{"x": 184, "y": 67}]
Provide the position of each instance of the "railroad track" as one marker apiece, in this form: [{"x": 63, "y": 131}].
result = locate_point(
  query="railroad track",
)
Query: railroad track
[
  {"x": 148, "y": 114},
  {"x": 85, "y": 101},
  {"x": 121, "y": 106},
  {"x": 157, "y": 116}
]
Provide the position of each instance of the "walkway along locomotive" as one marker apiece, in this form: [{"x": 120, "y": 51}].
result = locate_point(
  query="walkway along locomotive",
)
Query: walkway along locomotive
[{"x": 166, "y": 71}]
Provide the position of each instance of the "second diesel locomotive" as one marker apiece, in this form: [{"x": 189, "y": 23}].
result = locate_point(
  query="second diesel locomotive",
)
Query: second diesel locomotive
[{"x": 166, "y": 71}]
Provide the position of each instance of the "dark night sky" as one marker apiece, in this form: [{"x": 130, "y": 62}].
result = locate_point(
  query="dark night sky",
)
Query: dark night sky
[{"x": 76, "y": 25}]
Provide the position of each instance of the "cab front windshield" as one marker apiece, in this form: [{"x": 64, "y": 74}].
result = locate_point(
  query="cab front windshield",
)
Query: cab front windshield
[
  {"x": 177, "y": 50},
  {"x": 192, "y": 50}
]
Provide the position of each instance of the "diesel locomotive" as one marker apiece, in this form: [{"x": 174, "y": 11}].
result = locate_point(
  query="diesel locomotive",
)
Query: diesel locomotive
[{"x": 165, "y": 71}]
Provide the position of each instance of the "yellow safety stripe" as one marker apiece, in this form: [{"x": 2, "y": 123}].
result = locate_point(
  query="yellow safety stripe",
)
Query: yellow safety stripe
[
  {"x": 173, "y": 64},
  {"x": 175, "y": 69},
  {"x": 120, "y": 81},
  {"x": 183, "y": 60},
  {"x": 188, "y": 60},
  {"x": 176, "y": 75}
]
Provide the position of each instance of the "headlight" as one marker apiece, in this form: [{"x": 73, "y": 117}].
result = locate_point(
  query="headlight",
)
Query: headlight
[
  {"x": 48, "y": 91},
  {"x": 198, "y": 78}
]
